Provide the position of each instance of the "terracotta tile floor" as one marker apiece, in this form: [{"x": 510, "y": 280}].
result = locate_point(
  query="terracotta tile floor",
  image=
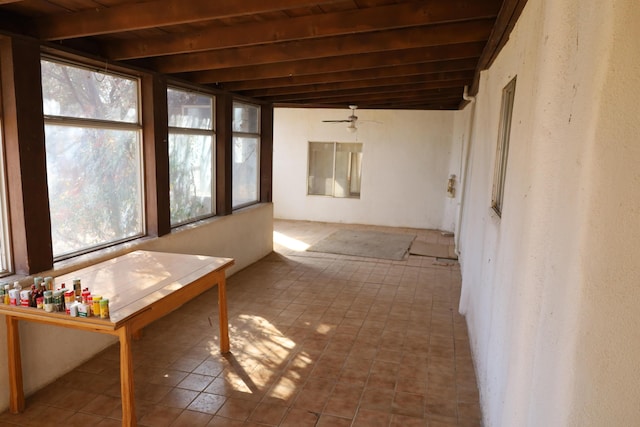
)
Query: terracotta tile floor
[{"x": 317, "y": 340}]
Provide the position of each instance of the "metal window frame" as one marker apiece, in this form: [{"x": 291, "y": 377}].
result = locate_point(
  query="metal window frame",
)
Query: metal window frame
[
  {"x": 502, "y": 149},
  {"x": 334, "y": 145}
]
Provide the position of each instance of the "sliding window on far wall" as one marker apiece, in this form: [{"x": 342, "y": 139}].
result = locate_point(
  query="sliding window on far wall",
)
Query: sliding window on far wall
[{"x": 335, "y": 169}]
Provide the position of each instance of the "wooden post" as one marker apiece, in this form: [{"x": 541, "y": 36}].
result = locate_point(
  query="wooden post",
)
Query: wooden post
[
  {"x": 16, "y": 392},
  {"x": 266, "y": 153},
  {"x": 23, "y": 140},
  {"x": 223, "y": 317},
  {"x": 156, "y": 154},
  {"x": 126, "y": 377},
  {"x": 224, "y": 154}
]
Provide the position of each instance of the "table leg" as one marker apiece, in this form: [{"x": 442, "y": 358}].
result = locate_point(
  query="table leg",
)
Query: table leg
[
  {"x": 222, "y": 308},
  {"x": 126, "y": 377},
  {"x": 16, "y": 391}
]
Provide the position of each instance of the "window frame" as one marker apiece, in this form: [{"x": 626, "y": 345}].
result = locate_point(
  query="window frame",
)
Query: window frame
[
  {"x": 258, "y": 136},
  {"x": 335, "y": 150},
  {"x": 6, "y": 260},
  {"x": 502, "y": 148},
  {"x": 92, "y": 123},
  {"x": 24, "y": 144},
  {"x": 198, "y": 132}
]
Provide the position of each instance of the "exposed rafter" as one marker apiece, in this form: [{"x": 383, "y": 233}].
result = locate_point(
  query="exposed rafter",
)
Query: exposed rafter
[
  {"x": 306, "y": 27},
  {"x": 158, "y": 13},
  {"x": 376, "y": 53},
  {"x": 316, "y": 66},
  {"x": 437, "y": 80},
  {"x": 440, "y": 38},
  {"x": 509, "y": 14},
  {"x": 423, "y": 69},
  {"x": 381, "y": 90}
]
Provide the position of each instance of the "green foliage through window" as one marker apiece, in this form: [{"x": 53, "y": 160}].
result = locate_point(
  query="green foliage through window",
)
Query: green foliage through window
[
  {"x": 246, "y": 154},
  {"x": 94, "y": 173},
  {"x": 191, "y": 142}
]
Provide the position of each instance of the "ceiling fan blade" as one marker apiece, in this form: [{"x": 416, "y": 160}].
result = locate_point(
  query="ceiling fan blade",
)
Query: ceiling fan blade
[{"x": 336, "y": 121}]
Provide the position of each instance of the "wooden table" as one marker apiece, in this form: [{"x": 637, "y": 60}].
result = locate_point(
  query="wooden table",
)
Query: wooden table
[{"x": 141, "y": 287}]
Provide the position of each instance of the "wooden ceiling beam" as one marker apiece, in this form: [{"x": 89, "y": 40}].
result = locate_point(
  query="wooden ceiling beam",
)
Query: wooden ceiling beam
[
  {"x": 361, "y": 84},
  {"x": 366, "y": 100},
  {"x": 378, "y": 90},
  {"x": 443, "y": 104},
  {"x": 431, "y": 70},
  {"x": 402, "y": 15},
  {"x": 503, "y": 25},
  {"x": 396, "y": 104},
  {"x": 319, "y": 66},
  {"x": 384, "y": 85},
  {"x": 427, "y": 71},
  {"x": 448, "y": 103},
  {"x": 413, "y": 93},
  {"x": 417, "y": 105},
  {"x": 159, "y": 13},
  {"x": 457, "y": 40}
]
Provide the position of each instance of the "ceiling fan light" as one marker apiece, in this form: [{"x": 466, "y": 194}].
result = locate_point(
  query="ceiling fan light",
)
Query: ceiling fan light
[{"x": 352, "y": 127}]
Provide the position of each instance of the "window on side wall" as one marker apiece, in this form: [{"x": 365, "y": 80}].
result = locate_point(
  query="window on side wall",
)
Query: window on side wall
[
  {"x": 502, "y": 151},
  {"x": 335, "y": 169},
  {"x": 246, "y": 154},
  {"x": 93, "y": 151},
  {"x": 191, "y": 142}
]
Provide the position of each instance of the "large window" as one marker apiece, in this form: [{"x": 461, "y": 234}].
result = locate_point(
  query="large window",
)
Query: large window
[
  {"x": 93, "y": 149},
  {"x": 335, "y": 169},
  {"x": 502, "y": 152},
  {"x": 246, "y": 154},
  {"x": 191, "y": 141}
]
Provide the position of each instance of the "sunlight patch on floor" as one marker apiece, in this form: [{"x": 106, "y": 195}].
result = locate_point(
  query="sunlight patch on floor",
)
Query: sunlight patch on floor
[{"x": 289, "y": 242}]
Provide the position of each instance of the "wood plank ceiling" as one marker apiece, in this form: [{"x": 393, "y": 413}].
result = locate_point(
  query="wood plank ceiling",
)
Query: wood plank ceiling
[{"x": 319, "y": 53}]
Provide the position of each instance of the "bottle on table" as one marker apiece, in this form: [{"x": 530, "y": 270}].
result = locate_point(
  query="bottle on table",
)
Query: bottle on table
[{"x": 17, "y": 289}]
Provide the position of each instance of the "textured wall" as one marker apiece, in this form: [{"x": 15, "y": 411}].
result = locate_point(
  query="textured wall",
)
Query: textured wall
[
  {"x": 550, "y": 289},
  {"x": 607, "y": 361}
]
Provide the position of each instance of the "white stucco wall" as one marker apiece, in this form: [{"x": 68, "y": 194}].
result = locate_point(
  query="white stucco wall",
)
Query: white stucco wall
[
  {"x": 407, "y": 159},
  {"x": 607, "y": 383},
  {"x": 49, "y": 352},
  {"x": 550, "y": 290}
]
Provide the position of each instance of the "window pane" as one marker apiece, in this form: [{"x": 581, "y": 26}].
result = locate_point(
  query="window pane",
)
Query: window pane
[
  {"x": 347, "y": 174},
  {"x": 189, "y": 110},
  {"x": 245, "y": 170},
  {"x": 95, "y": 191},
  {"x": 355, "y": 174},
  {"x": 5, "y": 255},
  {"x": 190, "y": 172},
  {"x": 502, "y": 150},
  {"x": 246, "y": 118},
  {"x": 348, "y": 168},
  {"x": 320, "y": 181},
  {"x": 71, "y": 91},
  {"x": 334, "y": 169}
]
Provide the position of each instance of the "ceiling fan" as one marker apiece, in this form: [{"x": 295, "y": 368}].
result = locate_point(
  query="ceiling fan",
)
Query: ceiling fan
[{"x": 352, "y": 119}]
